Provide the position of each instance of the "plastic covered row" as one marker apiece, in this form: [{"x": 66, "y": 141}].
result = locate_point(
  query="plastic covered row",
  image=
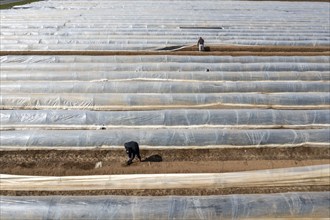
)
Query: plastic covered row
[
  {"x": 262, "y": 206},
  {"x": 187, "y": 76},
  {"x": 239, "y": 118},
  {"x": 162, "y": 137},
  {"x": 185, "y": 66},
  {"x": 317, "y": 175},
  {"x": 163, "y": 59},
  {"x": 162, "y": 87},
  {"x": 152, "y": 101}
]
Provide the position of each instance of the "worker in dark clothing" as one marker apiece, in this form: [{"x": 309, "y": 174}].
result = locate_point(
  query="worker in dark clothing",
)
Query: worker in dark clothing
[
  {"x": 132, "y": 150},
  {"x": 200, "y": 44}
]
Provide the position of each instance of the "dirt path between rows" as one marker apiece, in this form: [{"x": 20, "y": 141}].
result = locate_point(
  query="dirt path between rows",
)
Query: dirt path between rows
[
  {"x": 83, "y": 162},
  {"x": 212, "y": 50},
  {"x": 70, "y": 163}
]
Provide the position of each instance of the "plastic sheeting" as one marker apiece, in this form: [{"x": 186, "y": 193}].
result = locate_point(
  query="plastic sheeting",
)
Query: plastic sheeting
[
  {"x": 184, "y": 69},
  {"x": 166, "y": 101},
  {"x": 151, "y": 101},
  {"x": 162, "y": 59},
  {"x": 318, "y": 175},
  {"x": 176, "y": 76},
  {"x": 238, "y": 118},
  {"x": 162, "y": 87},
  {"x": 184, "y": 66},
  {"x": 166, "y": 138},
  {"x": 149, "y": 25},
  {"x": 263, "y": 206}
]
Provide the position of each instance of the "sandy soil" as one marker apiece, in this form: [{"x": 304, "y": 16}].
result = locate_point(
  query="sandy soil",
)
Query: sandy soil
[
  {"x": 166, "y": 192},
  {"x": 215, "y": 50},
  {"x": 68, "y": 163}
]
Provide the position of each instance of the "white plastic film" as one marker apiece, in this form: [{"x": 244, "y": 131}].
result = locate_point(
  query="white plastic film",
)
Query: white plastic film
[
  {"x": 162, "y": 87},
  {"x": 318, "y": 175},
  {"x": 261, "y": 206},
  {"x": 162, "y": 59},
  {"x": 183, "y": 104},
  {"x": 166, "y": 138},
  {"x": 184, "y": 66},
  {"x": 169, "y": 76},
  {"x": 152, "y": 101},
  {"x": 100, "y": 70},
  {"x": 237, "y": 118}
]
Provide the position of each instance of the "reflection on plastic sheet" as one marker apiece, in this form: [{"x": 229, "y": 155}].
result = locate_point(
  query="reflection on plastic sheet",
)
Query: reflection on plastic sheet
[
  {"x": 288, "y": 205},
  {"x": 163, "y": 137}
]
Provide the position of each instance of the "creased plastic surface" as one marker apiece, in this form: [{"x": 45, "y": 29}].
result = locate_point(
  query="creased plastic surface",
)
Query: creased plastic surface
[
  {"x": 239, "y": 118},
  {"x": 318, "y": 175},
  {"x": 262, "y": 206},
  {"x": 164, "y": 101},
  {"x": 163, "y": 82},
  {"x": 163, "y": 137},
  {"x": 140, "y": 101},
  {"x": 175, "y": 76},
  {"x": 163, "y": 87},
  {"x": 184, "y": 65}
]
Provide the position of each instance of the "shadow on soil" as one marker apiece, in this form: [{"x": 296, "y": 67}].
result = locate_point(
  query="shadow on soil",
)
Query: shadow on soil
[{"x": 153, "y": 158}]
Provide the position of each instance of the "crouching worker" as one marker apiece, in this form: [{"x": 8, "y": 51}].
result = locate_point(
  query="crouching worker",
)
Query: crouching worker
[
  {"x": 132, "y": 150},
  {"x": 200, "y": 44}
]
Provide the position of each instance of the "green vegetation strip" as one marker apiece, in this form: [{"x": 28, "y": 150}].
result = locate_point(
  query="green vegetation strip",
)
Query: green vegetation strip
[{"x": 10, "y": 5}]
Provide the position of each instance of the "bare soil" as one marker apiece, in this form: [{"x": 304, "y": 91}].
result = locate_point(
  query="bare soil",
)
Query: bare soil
[
  {"x": 70, "y": 163},
  {"x": 211, "y": 50}
]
